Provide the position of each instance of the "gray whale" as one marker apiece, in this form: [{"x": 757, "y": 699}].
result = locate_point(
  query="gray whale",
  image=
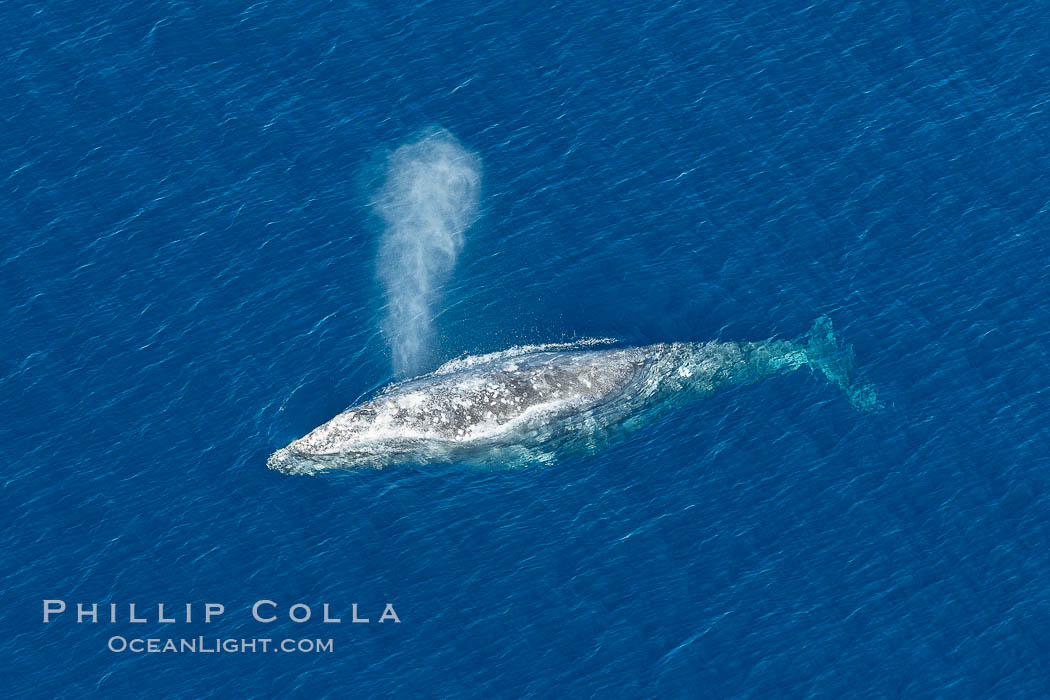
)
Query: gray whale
[{"x": 530, "y": 404}]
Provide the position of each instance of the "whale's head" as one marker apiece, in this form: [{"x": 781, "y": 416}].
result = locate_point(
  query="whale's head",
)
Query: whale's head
[
  {"x": 305, "y": 457},
  {"x": 290, "y": 461}
]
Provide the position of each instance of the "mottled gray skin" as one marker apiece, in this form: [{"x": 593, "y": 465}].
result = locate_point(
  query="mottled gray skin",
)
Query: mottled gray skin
[{"x": 521, "y": 408}]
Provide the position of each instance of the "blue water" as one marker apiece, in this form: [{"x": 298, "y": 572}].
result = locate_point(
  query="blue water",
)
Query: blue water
[{"x": 187, "y": 257}]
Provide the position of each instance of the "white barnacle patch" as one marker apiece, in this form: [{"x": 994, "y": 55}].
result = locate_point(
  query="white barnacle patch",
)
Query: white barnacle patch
[{"x": 412, "y": 400}]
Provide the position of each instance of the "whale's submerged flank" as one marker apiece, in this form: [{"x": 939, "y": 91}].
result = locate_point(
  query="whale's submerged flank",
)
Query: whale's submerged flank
[{"x": 529, "y": 404}]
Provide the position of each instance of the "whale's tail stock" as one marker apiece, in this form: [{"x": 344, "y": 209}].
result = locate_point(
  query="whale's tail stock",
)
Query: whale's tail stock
[{"x": 836, "y": 359}]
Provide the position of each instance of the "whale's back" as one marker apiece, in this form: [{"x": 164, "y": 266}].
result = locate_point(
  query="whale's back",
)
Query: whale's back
[
  {"x": 477, "y": 401},
  {"x": 464, "y": 406}
]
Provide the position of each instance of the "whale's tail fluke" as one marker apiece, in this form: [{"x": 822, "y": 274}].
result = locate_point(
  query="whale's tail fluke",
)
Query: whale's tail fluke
[{"x": 837, "y": 361}]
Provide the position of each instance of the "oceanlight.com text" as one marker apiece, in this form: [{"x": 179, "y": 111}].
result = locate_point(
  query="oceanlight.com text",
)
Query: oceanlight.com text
[{"x": 218, "y": 645}]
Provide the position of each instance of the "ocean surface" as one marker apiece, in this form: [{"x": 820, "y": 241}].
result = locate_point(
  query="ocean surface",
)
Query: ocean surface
[{"x": 188, "y": 259}]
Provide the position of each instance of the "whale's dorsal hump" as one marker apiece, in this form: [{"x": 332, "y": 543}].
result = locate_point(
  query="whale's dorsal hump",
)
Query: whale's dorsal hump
[{"x": 469, "y": 361}]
